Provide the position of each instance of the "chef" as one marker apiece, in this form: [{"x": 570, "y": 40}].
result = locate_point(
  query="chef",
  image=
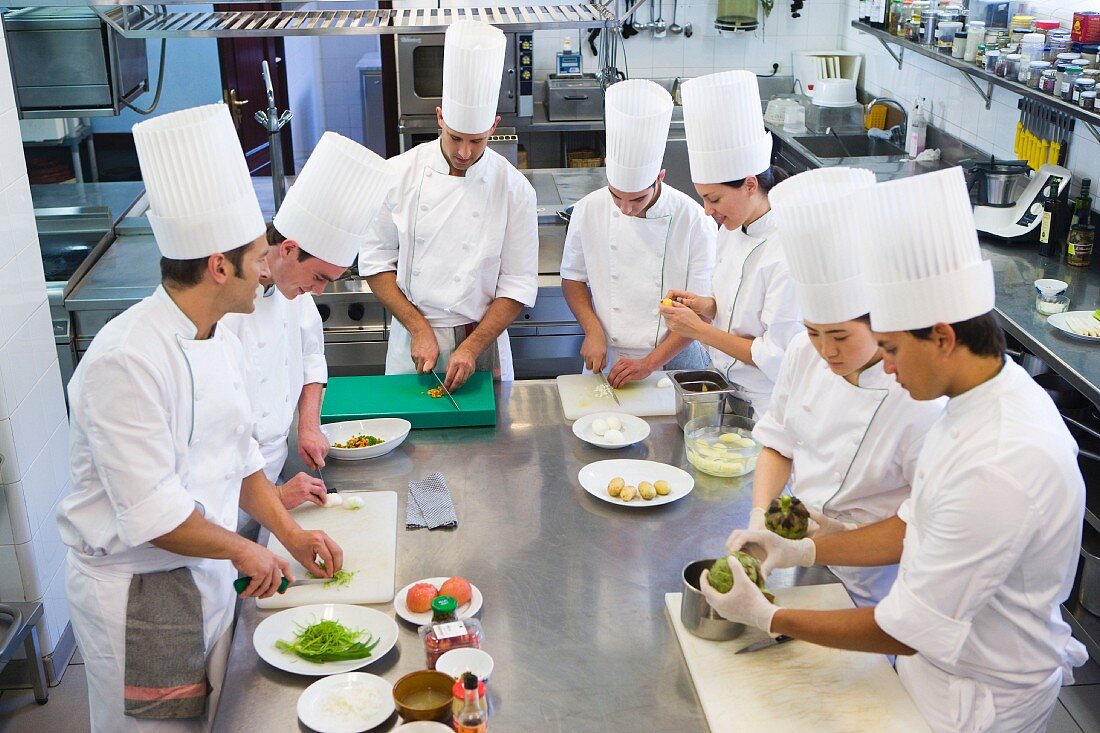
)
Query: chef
[
  {"x": 315, "y": 237},
  {"x": 161, "y": 441},
  {"x": 840, "y": 429},
  {"x": 631, "y": 242},
  {"x": 453, "y": 254},
  {"x": 753, "y": 313},
  {"x": 988, "y": 541}
]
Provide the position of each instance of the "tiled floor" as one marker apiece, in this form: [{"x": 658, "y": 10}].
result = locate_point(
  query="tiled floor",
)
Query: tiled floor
[{"x": 1078, "y": 710}]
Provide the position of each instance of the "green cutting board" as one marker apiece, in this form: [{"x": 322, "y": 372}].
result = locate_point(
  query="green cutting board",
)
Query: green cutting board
[{"x": 406, "y": 395}]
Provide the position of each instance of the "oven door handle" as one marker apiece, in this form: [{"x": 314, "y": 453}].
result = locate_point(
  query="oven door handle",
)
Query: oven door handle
[{"x": 575, "y": 98}]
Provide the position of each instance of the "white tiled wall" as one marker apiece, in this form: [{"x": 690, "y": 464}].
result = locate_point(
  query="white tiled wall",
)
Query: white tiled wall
[
  {"x": 956, "y": 107},
  {"x": 33, "y": 423}
]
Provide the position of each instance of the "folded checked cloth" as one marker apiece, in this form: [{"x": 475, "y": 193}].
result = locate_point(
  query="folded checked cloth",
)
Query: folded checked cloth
[
  {"x": 430, "y": 504},
  {"x": 165, "y": 654}
]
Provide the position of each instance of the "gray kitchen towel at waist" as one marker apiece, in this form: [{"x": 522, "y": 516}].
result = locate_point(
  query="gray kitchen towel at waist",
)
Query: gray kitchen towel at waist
[
  {"x": 165, "y": 654},
  {"x": 430, "y": 504}
]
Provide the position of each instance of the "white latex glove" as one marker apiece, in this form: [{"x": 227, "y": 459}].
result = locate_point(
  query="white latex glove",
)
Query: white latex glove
[
  {"x": 756, "y": 518},
  {"x": 821, "y": 525},
  {"x": 772, "y": 550},
  {"x": 744, "y": 603}
]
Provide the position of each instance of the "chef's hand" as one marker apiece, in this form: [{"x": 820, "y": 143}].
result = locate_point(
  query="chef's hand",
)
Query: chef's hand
[
  {"x": 300, "y": 489},
  {"x": 772, "y": 550},
  {"x": 594, "y": 352},
  {"x": 424, "y": 350},
  {"x": 628, "y": 370},
  {"x": 312, "y": 447},
  {"x": 756, "y": 518},
  {"x": 309, "y": 546},
  {"x": 682, "y": 320},
  {"x": 459, "y": 367},
  {"x": 265, "y": 567},
  {"x": 744, "y": 603},
  {"x": 821, "y": 525},
  {"x": 704, "y": 306}
]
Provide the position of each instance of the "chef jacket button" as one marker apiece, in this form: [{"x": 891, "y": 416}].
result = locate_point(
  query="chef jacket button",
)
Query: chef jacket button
[
  {"x": 420, "y": 240},
  {"x": 615, "y": 308},
  {"x": 484, "y": 179},
  {"x": 920, "y": 474},
  {"x": 263, "y": 380},
  {"x": 476, "y": 214},
  {"x": 615, "y": 213},
  {"x": 798, "y": 442},
  {"x": 836, "y": 475},
  {"x": 428, "y": 174},
  {"x": 264, "y": 414},
  {"x": 423, "y": 207},
  {"x": 198, "y": 394},
  {"x": 238, "y": 430},
  {"x": 416, "y": 271},
  {"x": 954, "y": 432},
  {"x": 614, "y": 277},
  {"x": 614, "y": 339},
  {"x": 458, "y": 278},
  {"x": 656, "y": 311},
  {"x": 614, "y": 246}
]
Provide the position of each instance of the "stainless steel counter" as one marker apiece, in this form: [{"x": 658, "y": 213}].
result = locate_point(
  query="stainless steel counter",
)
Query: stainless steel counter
[{"x": 574, "y": 587}]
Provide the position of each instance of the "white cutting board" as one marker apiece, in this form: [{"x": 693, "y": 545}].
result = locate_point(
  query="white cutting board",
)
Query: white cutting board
[
  {"x": 642, "y": 398},
  {"x": 797, "y": 686},
  {"x": 368, "y": 537}
]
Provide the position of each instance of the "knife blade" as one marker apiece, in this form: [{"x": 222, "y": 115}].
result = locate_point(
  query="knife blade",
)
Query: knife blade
[
  {"x": 241, "y": 583},
  {"x": 614, "y": 396},
  {"x": 446, "y": 391},
  {"x": 765, "y": 644}
]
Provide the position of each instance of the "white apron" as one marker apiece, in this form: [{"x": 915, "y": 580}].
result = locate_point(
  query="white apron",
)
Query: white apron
[{"x": 399, "y": 351}]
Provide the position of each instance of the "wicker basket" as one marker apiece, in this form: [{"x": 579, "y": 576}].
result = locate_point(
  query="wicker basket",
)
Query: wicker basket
[{"x": 584, "y": 158}]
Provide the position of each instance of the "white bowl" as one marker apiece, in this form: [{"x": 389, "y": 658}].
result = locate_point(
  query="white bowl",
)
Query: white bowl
[
  {"x": 458, "y": 661},
  {"x": 634, "y": 430},
  {"x": 834, "y": 92},
  {"x": 392, "y": 431}
]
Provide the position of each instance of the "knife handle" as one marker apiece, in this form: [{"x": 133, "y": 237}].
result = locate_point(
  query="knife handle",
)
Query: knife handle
[{"x": 243, "y": 582}]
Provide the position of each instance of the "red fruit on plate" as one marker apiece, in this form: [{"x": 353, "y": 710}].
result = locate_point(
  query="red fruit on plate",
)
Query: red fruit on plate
[
  {"x": 458, "y": 588},
  {"x": 419, "y": 597}
]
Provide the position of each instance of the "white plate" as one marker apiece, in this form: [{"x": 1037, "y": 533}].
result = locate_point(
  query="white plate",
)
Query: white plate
[
  {"x": 596, "y": 476},
  {"x": 285, "y": 625},
  {"x": 634, "y": 429},
  {"x": 464, "y": 611},
  {"x": 392, "y": 431},
  {"x": 315, "y": 704},
  {"x": 1058, "y": 320}
]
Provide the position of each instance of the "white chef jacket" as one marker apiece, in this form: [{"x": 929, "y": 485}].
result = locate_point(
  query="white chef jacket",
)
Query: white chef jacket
[
  {"x": 756, "y": 299},
  {"x": 853, "y": 448},
  {"x": 284, "y": 350},
  {"x": 456, "y": 242},
  {"x": 630, "y": 262},
  {"x": 993, "y": 532}
]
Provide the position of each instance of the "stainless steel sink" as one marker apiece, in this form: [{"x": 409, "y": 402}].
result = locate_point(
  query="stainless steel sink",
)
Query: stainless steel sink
[{"x": 848, "y": 146}]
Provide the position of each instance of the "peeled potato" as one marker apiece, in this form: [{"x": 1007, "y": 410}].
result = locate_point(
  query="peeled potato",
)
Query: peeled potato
[
  {"x": 662, "y": 487},
  {"x": 628, "y": 492},
  {"x": 647, "y": 491},
  {"x": 615, "y": 486},
  {"x": 730, "y": 438}
]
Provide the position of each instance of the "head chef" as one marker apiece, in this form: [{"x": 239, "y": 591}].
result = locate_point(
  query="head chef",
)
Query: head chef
[
  {"x": 752, "y": 312},
  {"x": 162, "y": 452},
  {"x": 988, "y": 540},
  {"x": 631, "y": 242},
  {"x": 314, "y": 238},
  {"x": 453, "y": 254}
]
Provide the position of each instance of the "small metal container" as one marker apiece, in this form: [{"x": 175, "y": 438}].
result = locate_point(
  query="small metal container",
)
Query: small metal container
[
  {"x": 705, "y": 392},
  {"x": 1089, "y": 593},
  {"x": 696, "y": 614}
]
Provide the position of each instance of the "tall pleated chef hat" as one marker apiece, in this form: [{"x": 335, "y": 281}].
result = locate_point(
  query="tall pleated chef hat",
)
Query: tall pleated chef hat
[
  {"x": 821, "y": 219},
  {"x": 201, "y": 199},
  {"x": 473, "y": 63},
  {"x": 725, "y": 127},
  {"x": 638, "y": 113},
  {"x": 923, "y": 266},
  {"x": 334, "y": 199}
]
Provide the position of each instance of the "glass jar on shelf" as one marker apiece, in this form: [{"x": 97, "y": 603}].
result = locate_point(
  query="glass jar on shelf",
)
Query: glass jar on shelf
[{"x": 446, "y": 631}]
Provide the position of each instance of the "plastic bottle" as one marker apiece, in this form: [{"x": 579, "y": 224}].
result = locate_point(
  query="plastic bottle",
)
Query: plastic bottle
[
  {"x": 918, "y": 129},
  {"x": 471, "y": 719}
]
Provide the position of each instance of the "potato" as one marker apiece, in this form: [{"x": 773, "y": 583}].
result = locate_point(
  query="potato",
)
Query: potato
[
  {"x": 616, "y": 485},
  {"x": 628, "y": 493},
  {"x": 730, "y": 438},
  {"x": 647, "y": 491},
  {"x": 662, "y": 487}
]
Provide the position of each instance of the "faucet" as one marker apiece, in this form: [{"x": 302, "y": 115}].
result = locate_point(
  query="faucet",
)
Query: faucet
[
  {"x": 676, "y": 98},
  {"x": 897, "y": 133}
]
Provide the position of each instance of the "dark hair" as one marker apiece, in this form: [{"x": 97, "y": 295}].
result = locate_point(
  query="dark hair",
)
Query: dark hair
[
  {"x": 767, "y": 180},
  {"x": 865, "y": 319},
  {"x": 981, "y": 335},
  {"x": 187, "y": 273},
  {"x": 274, "y": 236}
]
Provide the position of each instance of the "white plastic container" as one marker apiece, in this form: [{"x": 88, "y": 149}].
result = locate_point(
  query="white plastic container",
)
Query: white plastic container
[{"x": 835, "y": 92}]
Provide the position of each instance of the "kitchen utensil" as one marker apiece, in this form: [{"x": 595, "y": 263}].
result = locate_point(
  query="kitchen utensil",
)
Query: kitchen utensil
[
  {"x": 579, "y": 396},
  {"x": 634, "y": 429},
  {"x": 610, "y": 390},
  {"x": 835, "y": 93},
  {"x": 445, "y": 390},
  {"x": 1049, "y": 287},
  {"x": 765, "y": 644},
  {"x": 467, "y": 659},
  {"x": 696, "y": 615},
  {"x": 1020, "y": 223},
  {"x": 994, "y": 182},
  {"x": 1076, "y": 324},
  {"x": 466, "y": 610},
  {"x": 285, "y": 626},
  {"x": 595, "y": 477},
  {"x": 737, "y": 15},
  {"x": 346, "y": 703},
  {"x": 424, "y": 695},
  {"x": 368, "y": 537},
  {"x": 392, "y": 431},
  {"x": 705, "y": 392},
  {"x": 406, "y": 396},
  {"x": 721, "y": 445},
  {"x": 242, "y": 582},
  {"x": 795, "y": 685}
]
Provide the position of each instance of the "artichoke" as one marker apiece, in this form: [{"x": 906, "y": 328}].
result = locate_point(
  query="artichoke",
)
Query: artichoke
[
  {"x": 788, "y": 517},
  {"x": 721, "y": 578}
]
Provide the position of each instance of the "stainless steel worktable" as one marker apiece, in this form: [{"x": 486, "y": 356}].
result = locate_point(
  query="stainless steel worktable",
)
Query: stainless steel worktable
[{"x": 574, "y": 587}]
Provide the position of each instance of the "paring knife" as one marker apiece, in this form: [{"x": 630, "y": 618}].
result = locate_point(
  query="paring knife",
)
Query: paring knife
[
  {"x": 241, "y": 583},
  {"x": 765, "y": 644},
  {"x": 446, "y": 391},
  {"x": 614, "y": 396}
]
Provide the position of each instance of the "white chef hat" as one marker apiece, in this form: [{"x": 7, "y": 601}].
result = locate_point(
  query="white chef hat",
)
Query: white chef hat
[
  {"x": 638, "y": 113},
  {"x": 473, "y": 63},
  {"x": 201, "y": 199},
  {"x": 821, "y": 219},
  {"x": 923, "y": 266},
  {"x": 334, "y": 199},
  {"x": 725, "y": 127}
]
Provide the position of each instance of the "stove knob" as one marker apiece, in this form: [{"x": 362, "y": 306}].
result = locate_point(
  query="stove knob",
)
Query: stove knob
[
  {"x": 356, "y": 311},
  {"x": 324, "y": 310}
]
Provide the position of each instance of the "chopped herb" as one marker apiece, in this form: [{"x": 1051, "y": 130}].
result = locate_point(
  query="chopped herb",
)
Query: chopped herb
[{"x": 329, "y": 641}]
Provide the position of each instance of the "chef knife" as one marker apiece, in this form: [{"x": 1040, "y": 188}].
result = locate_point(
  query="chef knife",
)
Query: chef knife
[
  {"x": 766, "y": 644},
  {"x": 612, "y": 389},
  {"x": 241, "y": 583},
  {"x": 446, "y": 391}
]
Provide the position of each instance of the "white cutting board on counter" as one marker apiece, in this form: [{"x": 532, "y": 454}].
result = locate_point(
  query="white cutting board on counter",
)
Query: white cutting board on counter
[
  {"x": 368, "y": 537},
  {"x": 797, "y": 686},
  {"x": 642, "y": 398}
]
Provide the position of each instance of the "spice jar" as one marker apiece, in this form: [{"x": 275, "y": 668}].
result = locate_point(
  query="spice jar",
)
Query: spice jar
[
  {"x": 945, "y": 35},
  {"x": 1079, "y": 245},
  {"x": 447, "y": 632},
  {"x": 1010, "y": 65},
  {"x": 1035, "y": 71},
  {"x": 958, "y": 46},
  {"x": 975, "y": 34},
  {"x": 1088, "y": 101},
  {"x": 1082, "y": 85},
  {"x": 992, "y": 60},
  {"x": 1048, "y": 81},
  {"x": 1059, "y": 42},
  {"x": 1069, "y": 79}
]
